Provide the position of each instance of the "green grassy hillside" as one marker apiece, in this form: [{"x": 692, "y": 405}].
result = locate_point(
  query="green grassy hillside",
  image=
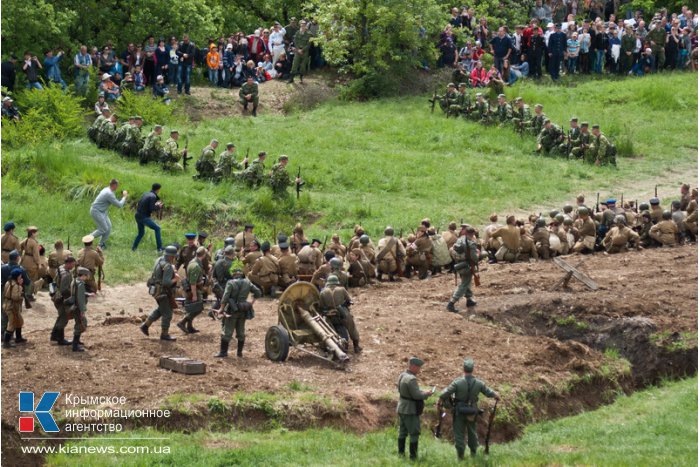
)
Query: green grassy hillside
[
  {"x": 378, "y": 163},
  {"x": 657, "y": 426}
]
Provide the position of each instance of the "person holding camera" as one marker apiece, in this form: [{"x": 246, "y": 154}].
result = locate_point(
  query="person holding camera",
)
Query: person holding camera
[
  {"x": 53, "y": 70},
  {"x": 31, "y": 68},
  {"x": 99, "y": 208}
]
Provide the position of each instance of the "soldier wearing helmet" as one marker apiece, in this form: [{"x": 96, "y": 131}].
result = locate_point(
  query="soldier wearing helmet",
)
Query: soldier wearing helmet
[
  {"x": 466, "y": 262},
  {"x": 540, "y": 235},
  {"x": 656, "y": 210},
  {"x": 586, "y": 230},
  {"x": 162, "y": 286},
  {"x": 665, "y": 231},
  {"x": 335, "y": 304},
  {"x": 333, "y": 265},
  {"x": 368, "y": 250},
  {"x": 222, "y": 273},
  {"x": 220, "y": 252},
  {"x": 391, "y": 255},
  {"x": 620, "y": 236},
  {"x": 194, "y": 291}
]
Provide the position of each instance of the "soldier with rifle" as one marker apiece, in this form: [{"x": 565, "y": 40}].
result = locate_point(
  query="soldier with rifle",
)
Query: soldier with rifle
[
  {"x": 170, "y": 158},
  {"x": 161, "y": 286},
  {"x": 580, "y": 146},
  {"x": 521, "y": 115},
  {"x": 462, "y": 397},
  {"x": 78, "y": 302},
  {"x": 235, "y": 310},
  {"x": 194, "y": 285},
  {"x": 466, "y": 258},
  {"x": 572, "y": 138}
]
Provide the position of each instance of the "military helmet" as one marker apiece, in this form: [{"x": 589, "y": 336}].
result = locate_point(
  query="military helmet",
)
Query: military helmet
[
  {"x": 666, "y": 214},
  {"x": 389, "y": 231},
  {"x": 229, "y": 241},
  {"x": 540, "y": 222},
  {"x": 559, "y": 217},
  {"x": 582, "y": 211},
  {"x": 654, "y": 201},
  {"x": 568, "y": 221},
  {"x": 364, "y": 239},
  {"x": 643, "y": 207},
  {"x": 619, "y": 219},
  {"x": 676, "y": 204},
  {"x": 553, "y": 213},
  {"x": 229, "y": 250},
  {"x": 336, "y": 263},
  {"x": 170, "y": 250},
  {"x": 568, "y": 208},
  {"x": 332, "y": 280}
]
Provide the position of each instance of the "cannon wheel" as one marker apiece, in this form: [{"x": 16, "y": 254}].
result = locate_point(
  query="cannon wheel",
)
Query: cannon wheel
[{"x": 277, "y": 343}]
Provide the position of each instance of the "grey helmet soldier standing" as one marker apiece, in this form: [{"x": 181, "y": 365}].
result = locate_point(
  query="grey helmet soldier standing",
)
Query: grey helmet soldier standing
[
  {"x": 220, "y": 252},
  {"x": 62, "y": 283},
  {"x": 465, "y": 255},
  {"x": 235, "y": 310},
  {"x": 466, "y": 392},
  {"x": 161, "y": 286},
  {"x": 410, "y": 407},
  {"x": 79, "y": 297},
  {"x": 222, "y": 273}
]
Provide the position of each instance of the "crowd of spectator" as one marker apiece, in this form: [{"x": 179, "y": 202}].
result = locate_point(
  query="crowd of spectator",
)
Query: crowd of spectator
[
  {"x": 569, "y": 37},
  {"x": 160, "y": 64}
]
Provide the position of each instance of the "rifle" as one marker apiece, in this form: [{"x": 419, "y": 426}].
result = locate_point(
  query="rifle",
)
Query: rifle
[
  {"x": 160, "y": 213},
  {"x": 247, "y": 151},
  {"x": 433, "y": 101},
  {"x": 622, "y": 200},
  {"x": 636, "y": 206},
  {"x": 184, "y": 155},
  {"x": 437, "y": 429},
  {"x": 492, "y": 416},
  {"x": 597, "y": 203},
  {"x": 400, "y": 233},
  {"x": 299, "y": 183},
  {"x": 656, "y": 191},
  {"x": 68, "y": 242},
  {"x": 568, "y": 144},
  {"x": 100, "y": 276},
  {"x": 325, "y": 239}
]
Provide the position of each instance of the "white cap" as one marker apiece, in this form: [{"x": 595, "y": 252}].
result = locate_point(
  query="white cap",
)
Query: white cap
[
  {"x": 7, "y": 99},
  {"x": 550, "y": 25},
  {"x": 229, "y": 47},
  {"x": 106, "y": 76},
  {"x": 159, "y": 77}
]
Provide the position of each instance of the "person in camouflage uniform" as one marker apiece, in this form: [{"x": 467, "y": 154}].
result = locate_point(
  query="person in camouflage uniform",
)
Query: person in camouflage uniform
[
  {"x": 600, "y": 149},
  {"x": 503, "y": 113},
  {"x": 572, "y": 137},
  {"x": 449, "y": 99},
  {"x": 302, "y": 46},
  {"x": 465, "y": 406},
  {"x": 462, "y": 103},
  {"x": 235, "y": 310},
  {"x": 94, "y": 129},
  {"x": 279, "y": 177},
  {"x": 133, "y": 140},
  {"x": 227, "y": 162},
  {"x": 466, "y": 258},
  {"x": 255, "y": 173},
  {"x": 172, "y": 154},
  {"x": 121, "y": 132},
  {"x": 481, "y": 110},
  {"x": 521, "y": 115},
  {"x": 206, "y": 164},
  {"x": 107, "y": 132},
  {"x": 248, "y": 94},
  {"x": 582, "y": 143},
  {"x": 152, "y": 150},
  {"x": 549, "y": 138},
  {"x": 537, "y": 121}
]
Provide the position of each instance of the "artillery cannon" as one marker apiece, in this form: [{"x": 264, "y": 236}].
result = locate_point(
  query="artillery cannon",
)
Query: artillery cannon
[{"x": 301, "y": 325}]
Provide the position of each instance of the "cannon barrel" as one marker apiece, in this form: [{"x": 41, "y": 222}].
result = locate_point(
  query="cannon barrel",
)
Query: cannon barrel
[{"x": 322, "y": 333}]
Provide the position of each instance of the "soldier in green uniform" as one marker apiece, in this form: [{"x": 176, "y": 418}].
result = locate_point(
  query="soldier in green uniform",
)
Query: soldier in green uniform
[
  {"x": 481, "y": 112},
  {"x": 235, "y": 310},
  {"x": 94, "y": 129},
  {"x": 279, "y": 177},
  {"x": 79, "y": 307},
  {"x": 121, "y": 132},
  {"x": 466, "y": 259},
  {"x": 449, "y": 99},
  {"x": 462, "y": 102},
  {"x": 335, "y": 303},
  {"x": 582, "y": 143},
  {"x": 222, "y": 272},
  {"x": 465, "y": 407},
  {"x": 549, "y": 139},
  {"x": 521, "y": 115},
  {"x": 255, "y": 173},
  {"x": 206, "y": 164},
  {"x": 248, "y": 94},
  {"x": 657, "y": 36},
  {"x": 220, "y": 252},
  {"x": 194, "y": 285},
  {"x": 62, "y": 283},
  {"x": 162, "y": 286},
  {"x": 602, "y": 152},
  {"x": 133, "y": 140},
  {"x": 172, "y": 155},
  {"x": 627, "y": 46},
  {"x": 107, "y": 132},
  {"x": 537, "y": 122},
  {"x": 227, "y": 162},
  {"x": 410, "y": 407},
  {"x": 152, "y": 150},
  {"x": 572, "y": 137},
  {"x": 302, "y": 44},
  {"x": 503, "y": 112}
]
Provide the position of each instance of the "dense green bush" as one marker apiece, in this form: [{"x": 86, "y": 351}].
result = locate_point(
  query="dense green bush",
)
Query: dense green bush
[
  {"x": 153, "y": 111},
  {"x": 47, "y": 115}
]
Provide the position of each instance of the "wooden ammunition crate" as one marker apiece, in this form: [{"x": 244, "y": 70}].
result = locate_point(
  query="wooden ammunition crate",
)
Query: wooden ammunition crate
[{"x": 183, "y": 365}]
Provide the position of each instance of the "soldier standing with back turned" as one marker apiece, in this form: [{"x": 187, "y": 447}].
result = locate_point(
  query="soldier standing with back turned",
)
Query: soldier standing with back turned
[
  {"x": 410, "y": 407},
  {"x": 465, "y": 257}
]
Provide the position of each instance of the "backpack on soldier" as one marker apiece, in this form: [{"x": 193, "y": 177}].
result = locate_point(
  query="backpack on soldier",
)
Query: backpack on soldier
[{"x": 154, "y": 282}]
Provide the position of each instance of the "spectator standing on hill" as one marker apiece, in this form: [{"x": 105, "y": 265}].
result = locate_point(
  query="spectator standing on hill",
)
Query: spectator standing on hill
[
  {"x": 53, "y": 71},
  {"x": 9, "y": 73},
  {"x": 82, "y": 62},
  {"x": 187, "y": 51},
  {"x": 31, "y": 68}
]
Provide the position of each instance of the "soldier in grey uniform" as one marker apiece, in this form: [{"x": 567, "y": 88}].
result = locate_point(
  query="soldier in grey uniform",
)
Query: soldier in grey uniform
[
  {"x": 222, "y": 273},
  {"x": 410, "y": 407},
  {"x": 62, "y": 283},
  {"x": 162, "y": 285},
  {"x": 235, "y": 310},
  {"x": 465, "y": 407},
  {"x": 465, "y": 256}
]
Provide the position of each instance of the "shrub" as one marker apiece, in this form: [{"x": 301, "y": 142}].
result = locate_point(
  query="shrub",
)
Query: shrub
[
  {"x": 153, "y": 111},
  {"x": 47, "y": 115}
]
